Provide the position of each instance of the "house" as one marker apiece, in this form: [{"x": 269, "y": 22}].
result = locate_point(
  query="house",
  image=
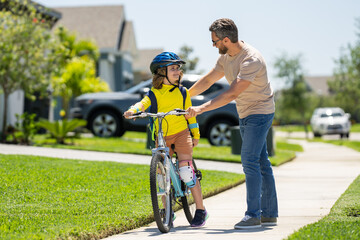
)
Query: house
[
  {"x": 17, "y": 102},
  {"x": 108, "y": 28},
  {"x": 121, "y": 63},
  {"x": 319, "y": 84},
  {"x": 141, "y": 65}
]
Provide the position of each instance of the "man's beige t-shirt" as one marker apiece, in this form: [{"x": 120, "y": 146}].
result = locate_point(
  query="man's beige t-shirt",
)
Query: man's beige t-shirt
[{"x": 249, "y": 65}]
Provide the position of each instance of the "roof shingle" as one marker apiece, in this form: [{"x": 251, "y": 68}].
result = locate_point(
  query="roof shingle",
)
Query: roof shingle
[{"x": 102, "y": 24}]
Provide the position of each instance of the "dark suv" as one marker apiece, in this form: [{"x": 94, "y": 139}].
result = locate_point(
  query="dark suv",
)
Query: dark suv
[{"x": 103, "y": 111}]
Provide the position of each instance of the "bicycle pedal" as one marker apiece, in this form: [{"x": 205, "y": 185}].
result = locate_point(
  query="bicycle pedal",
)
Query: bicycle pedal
[{"x": 198, "y": 174}]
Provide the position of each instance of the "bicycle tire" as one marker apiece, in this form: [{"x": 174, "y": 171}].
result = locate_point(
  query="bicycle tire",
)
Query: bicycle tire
[
  {"x": 161, "y": 201},
  {"x": 188, "y": 202}
]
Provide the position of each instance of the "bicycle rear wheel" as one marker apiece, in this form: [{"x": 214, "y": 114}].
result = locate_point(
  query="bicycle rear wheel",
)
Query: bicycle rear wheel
[
  {"x": 188, "y": 202},
  {"x": 161, "y": 200}
]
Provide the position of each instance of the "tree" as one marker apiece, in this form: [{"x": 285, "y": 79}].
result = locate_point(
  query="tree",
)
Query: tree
[
  {"x": 346, "y": 85},
  {"x": 294, "y": 97},
  {"x": 28, "y": 54},
  {"x": 78, "y": 77},
  {"x": 78, "y": 71},
  {"x": 185, "y": 52},
  {"x": 75, "y": 48}
]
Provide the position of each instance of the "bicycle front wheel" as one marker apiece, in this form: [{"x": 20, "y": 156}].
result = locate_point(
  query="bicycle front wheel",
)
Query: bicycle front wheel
[{"x": 161, "y": 199}]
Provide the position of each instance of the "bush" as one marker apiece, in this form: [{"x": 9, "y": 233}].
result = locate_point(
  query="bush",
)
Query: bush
[
  {"x": 24, "y": 130},
  {"x": 60, "y": 129}
]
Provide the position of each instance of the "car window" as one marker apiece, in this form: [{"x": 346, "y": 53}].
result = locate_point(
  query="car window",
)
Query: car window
[
  {"x": 336, "y": 115},
  {"x": 214, "y": 88},
  {"x": 324, "y": 115},
  {"x": 139, "y": 87},
  {"x": 147, "y": 85}
]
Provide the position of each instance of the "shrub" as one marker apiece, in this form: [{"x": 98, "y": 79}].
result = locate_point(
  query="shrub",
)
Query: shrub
[
  {"x": 24, "y": 130},
  {"x": 60, "y": 129}
]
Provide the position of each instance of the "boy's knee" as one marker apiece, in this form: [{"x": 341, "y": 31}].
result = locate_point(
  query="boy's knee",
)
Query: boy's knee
[{"x": 188, "y": 175}]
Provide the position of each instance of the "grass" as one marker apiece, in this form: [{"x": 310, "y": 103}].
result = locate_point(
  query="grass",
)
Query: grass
[
  {"x": 299, "y": 128},
  {"x": 49, "y": 198},
  {"x": 343, "y": 221},
  {"x": 341, "y": 142},
  {"x": 291, "y": 128},
  {"x": 135, "y": 142}
]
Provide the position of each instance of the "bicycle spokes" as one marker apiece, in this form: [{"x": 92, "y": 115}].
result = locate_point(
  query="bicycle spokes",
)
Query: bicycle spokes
[{"x": 160, "y": 194}]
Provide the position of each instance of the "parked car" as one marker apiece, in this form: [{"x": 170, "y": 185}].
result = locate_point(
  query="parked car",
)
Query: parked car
[
  {"x": 103, "y": 111},
  {"x": 330, "y": 121}
]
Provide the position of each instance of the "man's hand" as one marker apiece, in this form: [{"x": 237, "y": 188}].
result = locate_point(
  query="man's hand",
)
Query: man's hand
[{"x": 193, "y": 111}]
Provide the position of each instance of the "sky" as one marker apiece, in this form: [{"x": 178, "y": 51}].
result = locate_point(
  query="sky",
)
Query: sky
[{"x": 316, "y": 29}]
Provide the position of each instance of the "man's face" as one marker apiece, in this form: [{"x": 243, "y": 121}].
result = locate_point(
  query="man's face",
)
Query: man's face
[{"x": 218, "y": 43}]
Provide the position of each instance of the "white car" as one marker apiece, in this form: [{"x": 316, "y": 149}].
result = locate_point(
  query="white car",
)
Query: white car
[{"x": 330, "y": 121}]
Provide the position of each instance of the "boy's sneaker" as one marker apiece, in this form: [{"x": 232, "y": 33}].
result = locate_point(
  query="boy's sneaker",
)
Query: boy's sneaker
[
  {"x": 268, "y": 221},
  {"x": 248, "y": 222},
  {"x": 200, "y": 218}
]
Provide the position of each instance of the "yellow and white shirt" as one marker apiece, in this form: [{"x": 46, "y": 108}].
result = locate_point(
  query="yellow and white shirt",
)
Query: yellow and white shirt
[{"x": 168, "y": 101}]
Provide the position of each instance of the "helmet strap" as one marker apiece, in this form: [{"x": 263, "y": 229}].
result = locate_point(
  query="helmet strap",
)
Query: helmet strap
[{"x": 175, "y": 86}]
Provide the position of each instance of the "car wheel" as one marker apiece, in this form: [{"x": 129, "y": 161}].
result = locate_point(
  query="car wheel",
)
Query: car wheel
[
  {"x": 317, "y": 134},
  {"x": 105, "y": 123},
  {"x": 344, "y": 135},
  {"x": 219, "y": 133}
]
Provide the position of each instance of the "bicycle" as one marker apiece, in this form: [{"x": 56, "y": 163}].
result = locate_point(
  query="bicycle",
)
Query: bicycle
[{"x": 166, "y": 187}]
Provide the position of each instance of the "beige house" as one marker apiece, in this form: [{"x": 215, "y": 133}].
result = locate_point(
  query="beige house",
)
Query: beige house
[
  {"x": 121, "y": 63},
  {"x": 108, "y": 28},
  {"x": 319, "y": 84}
]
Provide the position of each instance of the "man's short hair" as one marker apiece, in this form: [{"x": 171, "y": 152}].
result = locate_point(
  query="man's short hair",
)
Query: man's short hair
[{"x": 225, "y": 27}]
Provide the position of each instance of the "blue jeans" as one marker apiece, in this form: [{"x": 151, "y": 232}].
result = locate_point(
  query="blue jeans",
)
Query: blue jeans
[{"x": 260, "y": 183}]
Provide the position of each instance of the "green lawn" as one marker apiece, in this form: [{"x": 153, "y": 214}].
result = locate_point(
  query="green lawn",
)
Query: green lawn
[
  {"x": 341, "y": 142},
  {"x": 49, "y": 198},
  {"x": 298, "y": 128},
  {"x": 343, "y": 221},
  {"x": 135, "y": 142}
]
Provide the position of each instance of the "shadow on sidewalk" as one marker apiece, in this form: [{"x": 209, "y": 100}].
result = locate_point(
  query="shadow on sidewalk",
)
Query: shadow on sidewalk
[{"x": 184, "y": 230}]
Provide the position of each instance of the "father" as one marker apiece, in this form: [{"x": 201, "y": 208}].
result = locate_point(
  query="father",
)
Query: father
[{"x": 244, "y": 68}]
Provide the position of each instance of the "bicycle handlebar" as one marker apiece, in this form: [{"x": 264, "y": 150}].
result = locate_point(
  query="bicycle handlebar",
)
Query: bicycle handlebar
[{"x": 176, "y": 112}]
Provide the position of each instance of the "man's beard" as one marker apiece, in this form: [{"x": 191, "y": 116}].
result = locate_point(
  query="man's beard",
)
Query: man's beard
[{"x": 223, "y": 50}]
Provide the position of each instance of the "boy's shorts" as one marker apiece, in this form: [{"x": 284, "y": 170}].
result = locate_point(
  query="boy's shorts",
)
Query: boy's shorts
[{"x": 182, "y": 141}]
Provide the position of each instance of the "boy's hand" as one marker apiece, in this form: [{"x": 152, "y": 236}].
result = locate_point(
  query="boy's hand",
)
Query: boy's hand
[
  {"x": 127, "y": 114},
  {"x": 195, "y": 142}
]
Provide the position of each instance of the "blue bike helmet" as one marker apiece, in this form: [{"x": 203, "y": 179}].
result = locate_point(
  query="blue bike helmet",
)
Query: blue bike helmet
[{"x": 165, "y": 59}]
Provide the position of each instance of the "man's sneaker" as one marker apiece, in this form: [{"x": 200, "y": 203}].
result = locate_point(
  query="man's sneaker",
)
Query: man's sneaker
[
  {"x": 268, "y": 221},
  {"x": 200, "y": 218},
  {"x": 248, "y": 222}
]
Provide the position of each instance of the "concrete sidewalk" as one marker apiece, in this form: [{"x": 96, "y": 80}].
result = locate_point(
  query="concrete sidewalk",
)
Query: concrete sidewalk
[
  {"x": 307, "y": 188},
  {"x": 107, "y": 156}
]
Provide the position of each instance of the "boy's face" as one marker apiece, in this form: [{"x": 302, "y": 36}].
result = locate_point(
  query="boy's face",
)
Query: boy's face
[{"x": 173, "y": 73}]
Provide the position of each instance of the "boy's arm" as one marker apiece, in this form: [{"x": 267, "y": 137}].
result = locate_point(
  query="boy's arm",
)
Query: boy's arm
[
  {"x": 193, "y": 125},
  {"x": 137, "y": 107}
]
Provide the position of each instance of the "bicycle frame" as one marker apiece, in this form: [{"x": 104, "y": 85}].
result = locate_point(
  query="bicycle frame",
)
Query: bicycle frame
[
  {"x": 173, "y": 174},
  {"x": 171, "y": 187}
]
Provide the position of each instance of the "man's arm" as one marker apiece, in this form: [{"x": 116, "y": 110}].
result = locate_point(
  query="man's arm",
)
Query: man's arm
[
  {"x": 205, "y": 82},
  {"x": 236, "y": 88}
]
